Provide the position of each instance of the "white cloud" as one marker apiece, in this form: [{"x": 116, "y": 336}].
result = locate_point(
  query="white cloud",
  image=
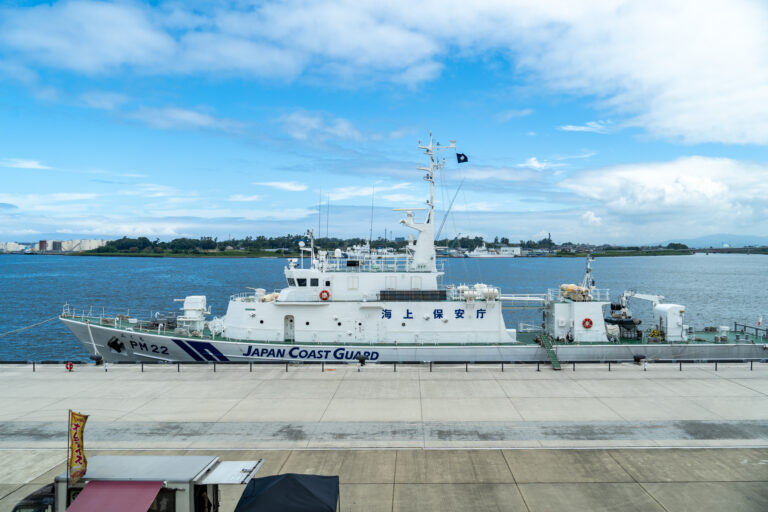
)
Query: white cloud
[
  {"x": 274, "y": 214},
  {"x": 63, "y": 196},
  {"x": 59, "y": 203},
  {"x": 689, "y": 196},
  {"x": 17, "y": 163},
  {"x": 591, "y": 126},
  {"x": 243, "y": 198},
  {"x": 104, "y": 100},
  {"x": 342, "y": 193},
  {"x": 403, "y": 198},
  {"x": 90, "y": 37},
  {"x": 290, "y": 186},
  {"x": 476, "y": 206},
  {"x": 591, "y": 219},
  {"x": 534, "y": 163},
  {"x": 507, "y": 115},
  {"x": 154, "y": 190},
  {"x": 695, "y": 71},
  {"x": 171, "y": 117},
  {"x": 314, "y": 125}
]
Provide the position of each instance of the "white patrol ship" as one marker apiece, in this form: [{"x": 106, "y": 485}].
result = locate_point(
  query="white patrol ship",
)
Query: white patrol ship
[{"x": 388, "y": 307}]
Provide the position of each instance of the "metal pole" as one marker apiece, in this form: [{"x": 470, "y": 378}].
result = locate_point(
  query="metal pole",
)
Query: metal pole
[
  {"x": 537, "y": 367},
  {"x": 574, "y": 366},
  {"x": 466, "y": 367},
  {"x": 681, "y": 366},
  {"x": 609, "y": 366},
  {"x": 430, "y": 367},
  {"x": 395, "y": 365},
  {"x": 33, "y": 367},
  {"x": 142, "y": 367},
  {"x": 214, "y": 367},
  {"x": 715, "y": 365},
  {"x": 286, "y": 367},
  {"x": 178, "y": 367},
  {"x": 502, "y": 367},
  {"x": 251, "y": 365},
  {"x": 322, "y": 366},
  {"x": 750, "y": 365}
]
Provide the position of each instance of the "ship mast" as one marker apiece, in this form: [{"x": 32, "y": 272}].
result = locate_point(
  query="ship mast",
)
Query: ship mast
[
  {"x": 435, "y": 163},
  {"x": 424, "y": 249}
]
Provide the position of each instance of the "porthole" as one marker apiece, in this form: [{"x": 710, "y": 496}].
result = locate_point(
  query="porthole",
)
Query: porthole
[
  {"x": 339, "y": 324},
  {"x": 261, "y": 321},
  {"x": 307, "y": 323},
  {"x": 403, "y": 324}
]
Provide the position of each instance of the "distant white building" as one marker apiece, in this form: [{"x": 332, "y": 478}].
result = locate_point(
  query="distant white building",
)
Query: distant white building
[
  {"x": 11, "y": 247},
  {"x": 510, "y": 252},
  {"x": 62, "y": 245}
]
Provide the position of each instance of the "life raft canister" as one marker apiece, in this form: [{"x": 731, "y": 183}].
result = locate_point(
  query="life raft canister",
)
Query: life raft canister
[
  {"x": 324, "y": 295},
  {"x": 587, "y": 323}
]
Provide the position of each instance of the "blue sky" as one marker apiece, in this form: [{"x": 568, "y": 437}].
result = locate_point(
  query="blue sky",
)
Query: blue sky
[{"x": 605, "y": 122}]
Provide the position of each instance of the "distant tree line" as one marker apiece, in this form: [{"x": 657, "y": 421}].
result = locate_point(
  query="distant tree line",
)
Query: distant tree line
[{"x": 289, "y": 243}]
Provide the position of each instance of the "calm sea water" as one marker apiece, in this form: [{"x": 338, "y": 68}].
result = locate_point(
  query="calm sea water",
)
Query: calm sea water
[{"x": 716, "y": 289}]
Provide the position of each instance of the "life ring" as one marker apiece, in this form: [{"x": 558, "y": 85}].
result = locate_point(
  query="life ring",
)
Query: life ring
[
  {"x": 324, "y": 295},
  {"x": 587, "y": 323},
  {"x": 69, "y": 366}
]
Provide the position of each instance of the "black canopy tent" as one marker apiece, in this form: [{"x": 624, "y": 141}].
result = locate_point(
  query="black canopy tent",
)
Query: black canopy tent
[{"x": 290, "y": 493}]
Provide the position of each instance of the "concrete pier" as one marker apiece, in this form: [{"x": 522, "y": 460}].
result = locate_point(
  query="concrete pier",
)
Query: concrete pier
[{"x": 474, "y": 438}]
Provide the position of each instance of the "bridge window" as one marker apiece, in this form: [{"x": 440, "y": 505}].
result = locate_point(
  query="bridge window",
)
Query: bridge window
[
  {"x": 301, "y": 281},
  {"x": 314, "y": 282},
  {"x": 291, "y": 282}
]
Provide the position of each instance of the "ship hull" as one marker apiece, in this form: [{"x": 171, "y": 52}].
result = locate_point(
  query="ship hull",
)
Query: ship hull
[{"x": 120, "y": 345}]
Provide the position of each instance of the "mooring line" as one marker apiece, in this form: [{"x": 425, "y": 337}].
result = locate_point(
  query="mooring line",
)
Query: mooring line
[{"x": 28, "y": 327}]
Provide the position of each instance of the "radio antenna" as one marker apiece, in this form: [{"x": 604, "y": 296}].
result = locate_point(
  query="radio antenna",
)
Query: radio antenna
[{"x": 370, "y": 233}]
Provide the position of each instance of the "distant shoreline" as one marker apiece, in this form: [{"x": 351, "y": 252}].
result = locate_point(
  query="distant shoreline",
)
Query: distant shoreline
[{"x": 270, "y": 255}]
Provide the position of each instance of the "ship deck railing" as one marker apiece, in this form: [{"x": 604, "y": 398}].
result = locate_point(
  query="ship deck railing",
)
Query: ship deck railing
[
  {"x": 452, "y": 293},
  {"x": 595, "y": 295},
  {"x": 398, "y": 263}
]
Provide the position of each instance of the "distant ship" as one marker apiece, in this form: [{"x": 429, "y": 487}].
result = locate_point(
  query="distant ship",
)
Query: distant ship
[
  {"x": 501, "y": 252},
  {"x": 369, "y": 305}
]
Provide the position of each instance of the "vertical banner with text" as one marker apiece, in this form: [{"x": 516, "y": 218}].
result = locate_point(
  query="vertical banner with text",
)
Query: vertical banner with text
[{"x": 77, "y": 461}]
